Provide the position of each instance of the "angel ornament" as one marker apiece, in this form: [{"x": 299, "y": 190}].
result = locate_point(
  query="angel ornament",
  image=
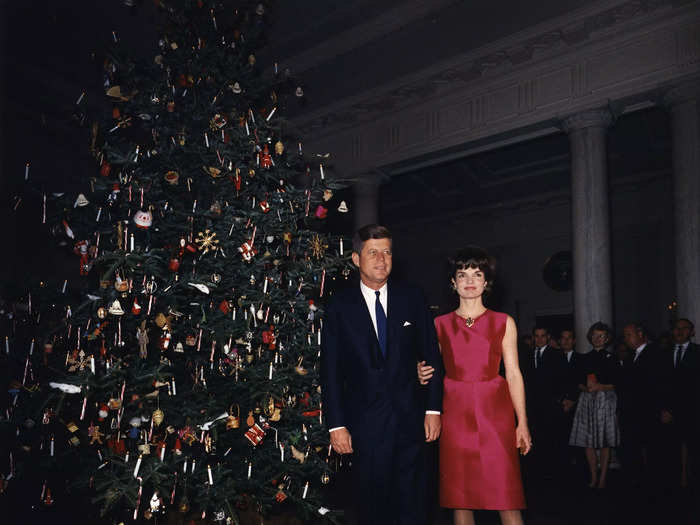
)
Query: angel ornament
[{"x": 142, "y": 338}]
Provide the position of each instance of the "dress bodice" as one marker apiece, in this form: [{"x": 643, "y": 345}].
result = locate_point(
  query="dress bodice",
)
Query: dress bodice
[{"x": 471, "y": 354}]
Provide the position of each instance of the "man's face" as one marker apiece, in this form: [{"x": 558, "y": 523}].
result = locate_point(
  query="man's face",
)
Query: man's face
[
  {"x": 682, "y": 332},
  {"x": 567, "y": 341},
  {"x": 633, "y": 337},
  {"x": 374, "y": 262},
  {"x": 541, "y": 337}
]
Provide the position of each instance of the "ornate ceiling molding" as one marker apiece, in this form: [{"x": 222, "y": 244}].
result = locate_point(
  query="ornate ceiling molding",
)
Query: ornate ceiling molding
[{"x": 506, "y": 55}]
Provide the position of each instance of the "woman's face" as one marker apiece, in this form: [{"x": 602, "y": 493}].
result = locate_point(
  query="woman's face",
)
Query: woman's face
[
  {"x": 469, "y": 283},
  {"x": 599, "y": 338}
]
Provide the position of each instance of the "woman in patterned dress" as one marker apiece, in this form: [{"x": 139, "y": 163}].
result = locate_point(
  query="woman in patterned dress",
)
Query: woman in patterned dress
[{"x": 595, "y": 425}]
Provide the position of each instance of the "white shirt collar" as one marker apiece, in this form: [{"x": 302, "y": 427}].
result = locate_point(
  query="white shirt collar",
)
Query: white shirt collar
[
  {"x": 639, "y": 350},
  {"x": 370, "y": 293},
  {"x": 682, "y": 345},
  {"x": 370, "y": 298}
]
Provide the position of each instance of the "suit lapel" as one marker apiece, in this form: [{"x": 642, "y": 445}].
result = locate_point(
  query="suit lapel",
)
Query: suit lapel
[{"x": 393, "y": 318}]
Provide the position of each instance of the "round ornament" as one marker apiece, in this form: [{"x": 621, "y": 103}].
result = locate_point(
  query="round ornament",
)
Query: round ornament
[{"x": 158, "y": 417}]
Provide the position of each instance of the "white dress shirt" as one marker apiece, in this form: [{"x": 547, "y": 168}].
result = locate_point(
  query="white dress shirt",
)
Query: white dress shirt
[
  {"x": 680, "y": 348},
  {"x": 371, "y": 299},
  {"x": 638, "y": 351},
  {"x": 538, "y": 354}
]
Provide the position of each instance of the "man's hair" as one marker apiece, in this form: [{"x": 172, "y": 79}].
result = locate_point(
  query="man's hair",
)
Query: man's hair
[
  {"x": 474, "y": 257},
  {"x": 639, "y": 327},
  {"x": 540, "y": 327},
  {"x": 568, "y": 329},
  {"x": 692, "y": 325},
  {"x": 601, "y": 327},
  {"x": 370, "y": 231}
]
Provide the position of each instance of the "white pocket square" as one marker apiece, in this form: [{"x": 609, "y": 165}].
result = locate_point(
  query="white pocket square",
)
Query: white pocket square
[{"x": 406, "y": 323}]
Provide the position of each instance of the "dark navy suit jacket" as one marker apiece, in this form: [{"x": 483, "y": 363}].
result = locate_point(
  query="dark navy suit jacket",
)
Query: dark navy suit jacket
[{"x": 363, "y": 390}]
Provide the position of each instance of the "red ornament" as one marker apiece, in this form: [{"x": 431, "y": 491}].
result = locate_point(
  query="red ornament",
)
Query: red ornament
[
  {"x": 174, "y": 264},
  {"x": 265, "y": 157},
  {"x": 116, "y": 445},
  {"x": 48, "y": 498},
  {"x": 224, "y": 307},
  {"x": 105, "y": 169},
  {"x": 321, "y": 212},
  {"x": 164, "y": 341},
  {"x": 264, "y": 206},
  {"x": 247, "y": 250},
  {"x": 81, "y": 249},
  {"x": 255, "y": 434},
  {"x": 269, "y": 338},
  {"x": 136, "y": 307}
]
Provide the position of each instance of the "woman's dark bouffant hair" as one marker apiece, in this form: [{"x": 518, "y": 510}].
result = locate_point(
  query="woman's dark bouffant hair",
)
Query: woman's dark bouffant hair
[
  {"x": 474, "y": 257},
  {"x": 600, "y": 326}
]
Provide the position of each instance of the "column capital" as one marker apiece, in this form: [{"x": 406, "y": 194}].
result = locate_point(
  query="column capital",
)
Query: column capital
[
  {"x": 682, "y": 92},
  {"x": 587, "y": 119}
]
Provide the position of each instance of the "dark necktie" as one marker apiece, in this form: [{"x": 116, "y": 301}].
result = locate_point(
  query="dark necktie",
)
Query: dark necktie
[
  {"x": 679, "y": 351},
  {"x": 381, "y": 323},
  {"x": 538, "y": 358}
]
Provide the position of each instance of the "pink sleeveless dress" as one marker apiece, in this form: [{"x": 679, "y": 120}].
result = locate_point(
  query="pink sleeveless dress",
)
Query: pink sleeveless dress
[{"x": 479, "y": 463}]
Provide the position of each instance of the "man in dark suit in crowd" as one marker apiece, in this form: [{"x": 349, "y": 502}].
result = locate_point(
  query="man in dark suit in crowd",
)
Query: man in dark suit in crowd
[
  {"x": 683, "y": 411},
  {"x": 644, "y": 399},
  {"x": 569, "y": 392},
  {"x": 541, "y": 371},
  {"x": 373, "y": 335}
]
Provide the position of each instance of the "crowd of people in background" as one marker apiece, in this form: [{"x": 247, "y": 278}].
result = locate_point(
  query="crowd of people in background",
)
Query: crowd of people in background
[{"x": 627, "y": 402}]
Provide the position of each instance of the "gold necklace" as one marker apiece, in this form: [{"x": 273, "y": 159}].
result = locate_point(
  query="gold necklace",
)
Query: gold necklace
[{"x": 469, "y": 320}]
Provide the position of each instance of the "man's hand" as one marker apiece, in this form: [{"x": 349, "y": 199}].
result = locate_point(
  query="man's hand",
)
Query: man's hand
[
  {"x": 567, "y": 405},
  {"x": 425, "y": 372},
  {"x": 433, "y": 425},
  {"x": 341, "y": 441}
]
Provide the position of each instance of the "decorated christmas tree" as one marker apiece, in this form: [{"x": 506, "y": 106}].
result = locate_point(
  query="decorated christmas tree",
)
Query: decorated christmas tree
[{"x": 180, "y": 373}]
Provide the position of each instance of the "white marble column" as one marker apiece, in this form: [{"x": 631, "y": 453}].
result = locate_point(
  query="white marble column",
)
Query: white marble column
[
  {"x": 684, "y": 104},
  {"x": 590, "y": 219},
  {"x": 366, "y": 192}
]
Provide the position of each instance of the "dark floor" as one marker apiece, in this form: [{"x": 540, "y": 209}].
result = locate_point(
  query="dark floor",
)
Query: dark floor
[
  {"x": 552, "y": 500},
  {"x": 566, "y": 499}
]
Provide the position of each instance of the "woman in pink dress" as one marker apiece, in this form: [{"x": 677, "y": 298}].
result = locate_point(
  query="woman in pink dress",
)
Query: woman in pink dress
[{"x": 479, "y": 464}]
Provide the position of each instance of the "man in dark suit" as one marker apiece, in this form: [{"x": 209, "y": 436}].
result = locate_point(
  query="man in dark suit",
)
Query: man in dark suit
[
  {"x": 541, "y": 368},
  {"x": 683, "y": 409},
  {"x": 373, "y": 335},
  {"x": 644, "y": 399},
  {"x": 568, "y": 380}
]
